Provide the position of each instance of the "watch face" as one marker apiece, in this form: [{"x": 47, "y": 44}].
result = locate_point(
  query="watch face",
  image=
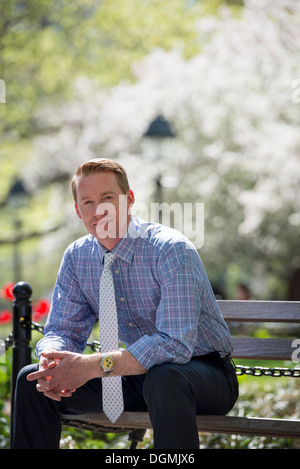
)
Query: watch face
[{"x": 107, "y": 363}]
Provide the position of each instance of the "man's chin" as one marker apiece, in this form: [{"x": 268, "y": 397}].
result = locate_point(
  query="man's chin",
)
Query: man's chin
[
  {"x": 108, "y": 231},
  {"x": 105, "y": 234}
]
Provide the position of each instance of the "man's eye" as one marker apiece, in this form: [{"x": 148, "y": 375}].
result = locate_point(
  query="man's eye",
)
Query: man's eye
[{"x": 87, "y": 202}]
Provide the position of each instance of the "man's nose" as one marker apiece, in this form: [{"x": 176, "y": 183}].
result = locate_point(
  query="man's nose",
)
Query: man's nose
[{"x": 100, "y": 211}]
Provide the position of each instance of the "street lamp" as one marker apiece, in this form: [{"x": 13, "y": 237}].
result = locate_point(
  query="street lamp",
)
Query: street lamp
[
  {"x": 17, "y": 194},
  {"x": 158, "y": 135},
  {"x": 16, "y": 198},
  {"x": 158, "y": 139}
]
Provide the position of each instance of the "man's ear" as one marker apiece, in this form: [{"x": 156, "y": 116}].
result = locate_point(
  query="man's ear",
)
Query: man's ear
[
  {"x": 130, "y": 198},
  {"x": 77, "y": 211}
]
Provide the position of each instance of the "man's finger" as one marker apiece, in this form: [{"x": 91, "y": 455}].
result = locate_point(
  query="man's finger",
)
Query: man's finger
[
  {"x": 55, "y": 355},
  {"x": 40, "y": 388},
  {"x": 37, "y": 375},
  {"x": 53, "y": 363},
  {"x": 66, "y": 393},
  {"x": 45, "y": 386},
  {"x": 52, "y": 395}
]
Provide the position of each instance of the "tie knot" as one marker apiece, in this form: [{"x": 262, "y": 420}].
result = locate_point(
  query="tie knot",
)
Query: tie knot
[{"x": 109, "y": 258}]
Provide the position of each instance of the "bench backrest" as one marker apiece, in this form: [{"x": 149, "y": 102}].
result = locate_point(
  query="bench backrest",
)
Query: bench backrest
[{"x": 261, "y": 312}]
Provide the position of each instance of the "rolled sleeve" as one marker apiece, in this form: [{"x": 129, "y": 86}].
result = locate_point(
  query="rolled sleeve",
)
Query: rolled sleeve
[{"x": 70, "y": 319}]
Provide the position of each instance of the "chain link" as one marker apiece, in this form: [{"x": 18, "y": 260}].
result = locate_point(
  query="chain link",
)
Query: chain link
[
  {"x": 262, "y": 371},
  {"x": 9, "y": 341},
  {"x": 241, "y": 370},
  {"x": 94, "y": 346},
  {"x": 34, "y": 326}
]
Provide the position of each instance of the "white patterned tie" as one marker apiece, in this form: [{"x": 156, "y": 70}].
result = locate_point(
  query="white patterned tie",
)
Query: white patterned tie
[{"x": 112, "y": 395}]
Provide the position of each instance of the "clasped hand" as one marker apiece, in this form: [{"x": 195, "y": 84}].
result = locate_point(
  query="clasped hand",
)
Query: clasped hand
[{"x": 60, "y": 374}]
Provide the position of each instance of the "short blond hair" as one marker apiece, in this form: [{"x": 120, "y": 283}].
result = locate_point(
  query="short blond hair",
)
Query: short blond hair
[{"x": 98, "y": 165}]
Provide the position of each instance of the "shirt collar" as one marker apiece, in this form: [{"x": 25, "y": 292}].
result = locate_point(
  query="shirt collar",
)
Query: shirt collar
[{"x": 125, "y": 247}]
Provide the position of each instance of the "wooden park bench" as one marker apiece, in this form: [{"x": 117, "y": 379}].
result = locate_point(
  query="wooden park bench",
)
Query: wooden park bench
[{"x": 250, "y": 348}]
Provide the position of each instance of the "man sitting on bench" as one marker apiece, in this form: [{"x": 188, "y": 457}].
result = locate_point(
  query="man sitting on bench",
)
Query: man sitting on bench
[{"x": 147, "y": 286}]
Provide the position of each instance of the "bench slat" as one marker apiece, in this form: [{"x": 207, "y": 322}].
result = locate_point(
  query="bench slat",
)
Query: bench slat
[
  {"x": 253, "y": 426},
  {"x": 260, "y": 311},
  {"x": 262, "y": 349},
  {"x": 205, "y": 423}
]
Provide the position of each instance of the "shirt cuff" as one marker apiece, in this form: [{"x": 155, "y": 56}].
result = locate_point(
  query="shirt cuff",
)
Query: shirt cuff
[
  {"x": 154, "y": 350},
  {"x": 45, "y": 343}
]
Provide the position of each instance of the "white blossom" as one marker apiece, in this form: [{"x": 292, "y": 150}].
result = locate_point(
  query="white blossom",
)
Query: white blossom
[{"x": 233, "y": 110}]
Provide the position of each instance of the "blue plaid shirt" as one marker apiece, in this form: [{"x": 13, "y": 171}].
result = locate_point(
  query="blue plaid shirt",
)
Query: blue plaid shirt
[{"x": 167, "y": 311}]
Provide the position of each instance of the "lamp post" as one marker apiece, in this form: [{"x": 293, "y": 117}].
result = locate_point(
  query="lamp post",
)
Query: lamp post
[
  {"x": 158, "y": 136},
  {"x": 16, "y": 199}
]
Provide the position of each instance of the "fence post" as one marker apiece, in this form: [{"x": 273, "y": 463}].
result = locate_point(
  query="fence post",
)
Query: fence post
[{"x": 21, "y": 348}]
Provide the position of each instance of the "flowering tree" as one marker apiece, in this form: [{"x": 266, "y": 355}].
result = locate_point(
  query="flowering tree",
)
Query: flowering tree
[{"x": 237, "y": 130}]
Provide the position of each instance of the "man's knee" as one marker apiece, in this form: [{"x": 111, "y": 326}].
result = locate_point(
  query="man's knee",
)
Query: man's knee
[
  {"x": 163, "y": 380},
  {"x": 22, "y": 376}
]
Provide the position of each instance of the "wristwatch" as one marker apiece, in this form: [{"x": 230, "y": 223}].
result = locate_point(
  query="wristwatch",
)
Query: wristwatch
[{"x": 107, "y": 364}]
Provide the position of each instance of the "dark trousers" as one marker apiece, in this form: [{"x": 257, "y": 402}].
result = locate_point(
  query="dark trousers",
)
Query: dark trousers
[{"x": 172, "y": 394}]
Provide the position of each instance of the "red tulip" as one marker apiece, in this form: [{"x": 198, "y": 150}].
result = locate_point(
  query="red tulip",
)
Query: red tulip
[
  {"x": 7, "y": 291},
  {"x": 5, "y": 316},
  {"x": 42, "y": 307}
]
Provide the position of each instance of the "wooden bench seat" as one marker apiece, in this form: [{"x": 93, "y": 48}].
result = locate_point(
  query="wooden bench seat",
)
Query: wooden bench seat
[
  {"x": 130, "y": 421},
  {"x": 243, "y": 348}
]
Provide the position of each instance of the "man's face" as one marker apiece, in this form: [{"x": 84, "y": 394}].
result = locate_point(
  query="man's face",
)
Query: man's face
[{"x": 103, "y": 207}]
